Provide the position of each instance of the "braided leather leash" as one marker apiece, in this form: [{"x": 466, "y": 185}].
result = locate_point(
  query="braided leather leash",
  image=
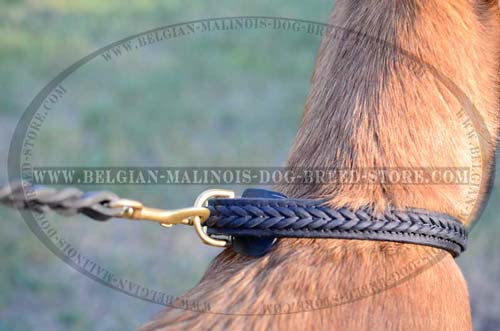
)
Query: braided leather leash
[
  {"x": 254, "y": 221},
  {"x": 67, "y": 201}
]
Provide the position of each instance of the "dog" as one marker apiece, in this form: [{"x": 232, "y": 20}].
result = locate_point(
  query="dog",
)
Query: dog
[{"x": 397, "y": 84}]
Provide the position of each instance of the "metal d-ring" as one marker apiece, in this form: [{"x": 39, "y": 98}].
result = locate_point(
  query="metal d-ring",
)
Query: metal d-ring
[{"x": 201, "y": 202}]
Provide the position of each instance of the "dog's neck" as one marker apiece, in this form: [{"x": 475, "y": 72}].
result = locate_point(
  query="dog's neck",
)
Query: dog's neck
[
  {"x": 371, "y": 106},
  {"x": 404, "y": 84}
]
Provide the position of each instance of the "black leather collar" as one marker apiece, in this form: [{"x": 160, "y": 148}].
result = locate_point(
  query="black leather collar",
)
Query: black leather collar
[{"x": 260, "y": 216}]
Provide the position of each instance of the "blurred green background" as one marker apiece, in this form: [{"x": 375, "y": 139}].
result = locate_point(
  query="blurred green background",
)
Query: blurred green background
[{"x": 192, "y": 101}]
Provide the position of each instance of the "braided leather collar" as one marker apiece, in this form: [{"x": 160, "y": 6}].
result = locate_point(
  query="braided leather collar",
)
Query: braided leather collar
[{"x": 260, "y": 216}]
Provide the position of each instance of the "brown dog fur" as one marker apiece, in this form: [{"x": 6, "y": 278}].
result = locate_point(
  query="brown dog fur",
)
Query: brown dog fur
[{"x": 371, "y": 106}]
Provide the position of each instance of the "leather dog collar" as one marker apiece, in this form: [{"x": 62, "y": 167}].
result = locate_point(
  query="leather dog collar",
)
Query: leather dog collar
[{"x": 254, "y": 221}]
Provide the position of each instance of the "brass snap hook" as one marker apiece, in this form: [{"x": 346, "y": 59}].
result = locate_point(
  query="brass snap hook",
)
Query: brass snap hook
[
  {"x": 135, "y": 210},
  {"x": 196, "y": 215}
]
